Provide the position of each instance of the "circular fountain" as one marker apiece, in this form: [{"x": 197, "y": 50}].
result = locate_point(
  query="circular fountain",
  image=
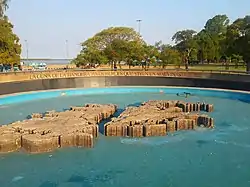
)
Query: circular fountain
[{"x": 217, "y": 156}]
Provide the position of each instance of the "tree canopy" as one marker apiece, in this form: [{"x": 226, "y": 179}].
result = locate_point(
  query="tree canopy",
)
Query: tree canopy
[
  {"x": 10, "y": 49},
  {"x": 113, "y": 45},
  {"x": 219, "y": 41}
]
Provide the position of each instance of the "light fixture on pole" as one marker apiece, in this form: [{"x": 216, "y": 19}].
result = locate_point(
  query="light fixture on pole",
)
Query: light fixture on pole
[
  {"x": 27, "y": 49},
  {"x": 139, "y": 25},
  {"x": 67, "y": 49}
]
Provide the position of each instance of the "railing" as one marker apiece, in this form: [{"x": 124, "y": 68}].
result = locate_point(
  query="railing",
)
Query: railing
[{"x": 139, "y": 69}]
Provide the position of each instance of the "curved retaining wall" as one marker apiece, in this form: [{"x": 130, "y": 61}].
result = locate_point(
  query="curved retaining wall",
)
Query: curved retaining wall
[{"x": 35, "y": 81}]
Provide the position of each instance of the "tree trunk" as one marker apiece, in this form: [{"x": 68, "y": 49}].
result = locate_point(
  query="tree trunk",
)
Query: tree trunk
[
  {"x": 236, "y": 64},
  {"x": 186, "y": 63},
  {"x": 227, "y": 65},
  {"x": 111, "y": 65},
  {"x": 248, "y": 67},
  {"x": 115, "y": 66},
  {"x": 120, "y": 66}
]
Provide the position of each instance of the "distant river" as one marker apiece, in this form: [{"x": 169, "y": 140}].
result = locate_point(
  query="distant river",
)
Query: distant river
[{"x": 47, "y": 61}]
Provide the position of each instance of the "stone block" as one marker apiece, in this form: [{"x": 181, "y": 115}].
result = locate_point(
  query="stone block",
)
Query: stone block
[
  {"x": 77, "y": 108},
  {"x": 35, "y": 143},
  {"x": 188, "y": 107},
  {"x": 91, "y": 129},
  {"x": 182, "y": 106},
  {"x": 36, "y": 115},
  {"x": 155, "y": 130},
  {"x": 181, "y": 124},
  {"x": 7, "y": 130},
  {"x": 174, "y": 109},
  {"x": 191, "y": 124},
  {"x": 51, "y": 114},
  {"x": 211, "y": 123},
  {"x": 68, "y": 140},
  {"x": 10, "y": 143},
  {"x": 116, "y": 130},
  {"x": 110, "y": 129},
  {"x": 209, "y": 108},
  {"x": 197, "y": 107},
  {"x": 135, "y": 131},
  {"x": 206, "y": 121},
  {"x": 77, "y": 140},
  {"x": 85, "y": 140},
  {"x": 193, "y": 117},
  {"x": 122, "y": 130},
  {"x": 171, "y": 126}
]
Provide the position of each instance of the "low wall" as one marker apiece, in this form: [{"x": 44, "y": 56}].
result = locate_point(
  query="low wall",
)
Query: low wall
[{"x": 35, "y": 81}]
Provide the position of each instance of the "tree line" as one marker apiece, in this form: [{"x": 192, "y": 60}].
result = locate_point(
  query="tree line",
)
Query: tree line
[
  {"x": 10, "y": 49},
  {"x": 219, "y": 41}
]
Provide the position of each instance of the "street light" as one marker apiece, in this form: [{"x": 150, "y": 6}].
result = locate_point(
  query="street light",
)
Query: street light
[
  {"x": 27, "y": 49},
  {"x": 67, "y": 49},
  {"x": 139, "y": 25}
]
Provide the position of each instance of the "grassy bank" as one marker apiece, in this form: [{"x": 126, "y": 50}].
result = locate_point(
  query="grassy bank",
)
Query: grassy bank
[{"x": 194, "y": 67}]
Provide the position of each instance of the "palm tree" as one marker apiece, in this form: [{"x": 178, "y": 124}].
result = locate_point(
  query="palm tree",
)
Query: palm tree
[{"x": 4, "y": 5}]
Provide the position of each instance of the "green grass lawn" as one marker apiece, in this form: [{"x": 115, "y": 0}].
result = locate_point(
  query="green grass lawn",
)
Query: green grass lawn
[
  {"x": 205, "y": 67},
  {"x": 217, "y": 68},
  {"x": 213, "y": 67}
]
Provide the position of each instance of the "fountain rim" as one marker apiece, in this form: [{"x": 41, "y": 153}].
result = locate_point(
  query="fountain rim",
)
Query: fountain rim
[{"x": 53, "y": 93}]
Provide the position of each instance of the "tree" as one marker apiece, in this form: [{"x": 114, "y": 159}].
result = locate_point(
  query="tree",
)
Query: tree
[
  {"x": 10, "y": 49},
  {"x": 185, "y": 43},
  {"x": 111, "y": 45},
  {"x": 169, "y": 55},
  {"x": 89, "y": 57},
  {"x": 104, "y": 38},
  {"x": 216, "y": 28},
  {"x": 206, "y": 48},
  {"x": 238, "y": 39},
  {"x": 151, "y": 53},
  {"x": 217, "y": 41},
  {"x": 117, "y": 51},
  {"x": 183, "y": 36},
  {"x": 236, "y": 59},
  {"x": 135, "y": 53},
  {"x": 217, "y": 25}
]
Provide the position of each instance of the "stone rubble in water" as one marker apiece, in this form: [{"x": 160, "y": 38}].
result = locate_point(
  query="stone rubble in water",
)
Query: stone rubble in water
[
  {"x": 158, "y": 118},
  {"x": 76, "y": 127}
]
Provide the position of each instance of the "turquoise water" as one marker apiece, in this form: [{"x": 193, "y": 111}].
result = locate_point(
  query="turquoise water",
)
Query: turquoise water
[{"x": 208, "y": 158}]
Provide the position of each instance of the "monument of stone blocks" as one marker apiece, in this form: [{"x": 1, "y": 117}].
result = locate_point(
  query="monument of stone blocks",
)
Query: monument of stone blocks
[
  {"x": 158, "y": 118},
  {"x": 76, "y": 127}
]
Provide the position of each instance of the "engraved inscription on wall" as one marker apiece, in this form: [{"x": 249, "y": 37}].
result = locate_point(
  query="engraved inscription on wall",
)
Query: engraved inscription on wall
[{"x": 55, "y": 75}]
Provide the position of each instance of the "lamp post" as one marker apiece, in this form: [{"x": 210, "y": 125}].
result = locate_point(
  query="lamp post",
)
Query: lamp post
[
  {"x": 139, "y": 25},
  {"x": 67, "y": 49},
  {"x": 27, "y": 49}
]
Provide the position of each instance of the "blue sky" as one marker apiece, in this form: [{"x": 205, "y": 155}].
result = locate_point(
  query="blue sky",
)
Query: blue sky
[{"x": 47, "y": 24}]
